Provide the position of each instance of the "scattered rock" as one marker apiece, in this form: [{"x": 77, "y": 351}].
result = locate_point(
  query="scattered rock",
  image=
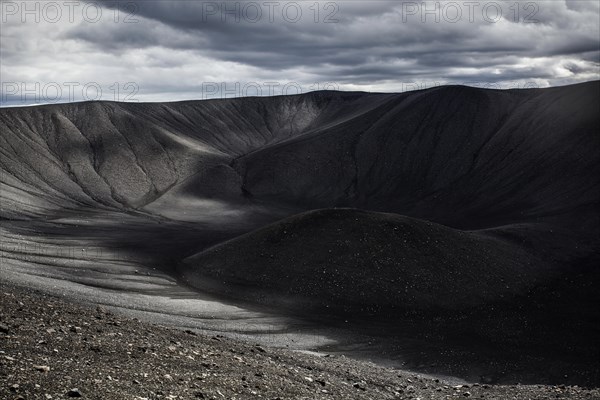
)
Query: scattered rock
[
  {"x": 4, "y": 328},
  {"x": 236, "y": 369},
  {"x": 74, "y": 393}
]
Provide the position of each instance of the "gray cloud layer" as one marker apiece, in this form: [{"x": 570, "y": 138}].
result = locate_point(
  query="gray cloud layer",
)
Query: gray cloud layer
[{"x": 173, "y": 50}]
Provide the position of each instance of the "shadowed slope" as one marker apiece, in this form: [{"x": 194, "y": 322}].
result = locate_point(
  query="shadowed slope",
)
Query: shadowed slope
[
  {"x": 363, "y": 262},
  {"x": 371, "y": 264},
  {"x": 460, "y": 156},
  {"x": 479, "y": 298}
]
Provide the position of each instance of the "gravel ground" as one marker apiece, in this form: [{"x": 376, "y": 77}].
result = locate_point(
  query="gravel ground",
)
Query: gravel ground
[{"x": 52, "y": 349}]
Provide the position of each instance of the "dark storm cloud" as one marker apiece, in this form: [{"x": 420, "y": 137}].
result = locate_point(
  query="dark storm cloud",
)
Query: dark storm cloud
[
  {"x": 273, "y": 42},
  {"x": 171, "y": 47}
]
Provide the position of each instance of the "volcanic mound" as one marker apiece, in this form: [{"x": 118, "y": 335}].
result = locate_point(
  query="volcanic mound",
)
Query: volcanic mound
[{"x": 356, "y": 261}]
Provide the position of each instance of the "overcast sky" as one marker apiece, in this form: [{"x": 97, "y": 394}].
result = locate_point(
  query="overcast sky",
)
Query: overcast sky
[{"x": 176, "y": 50}]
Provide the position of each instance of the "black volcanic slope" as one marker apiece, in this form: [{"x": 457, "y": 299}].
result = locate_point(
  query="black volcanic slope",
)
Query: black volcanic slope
[
  {"x": 463, "y": 157},
  {"x": 481, "y": 204},
  {"x": 459, "y": 156},
  {"x": 347, "y": 259}
]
